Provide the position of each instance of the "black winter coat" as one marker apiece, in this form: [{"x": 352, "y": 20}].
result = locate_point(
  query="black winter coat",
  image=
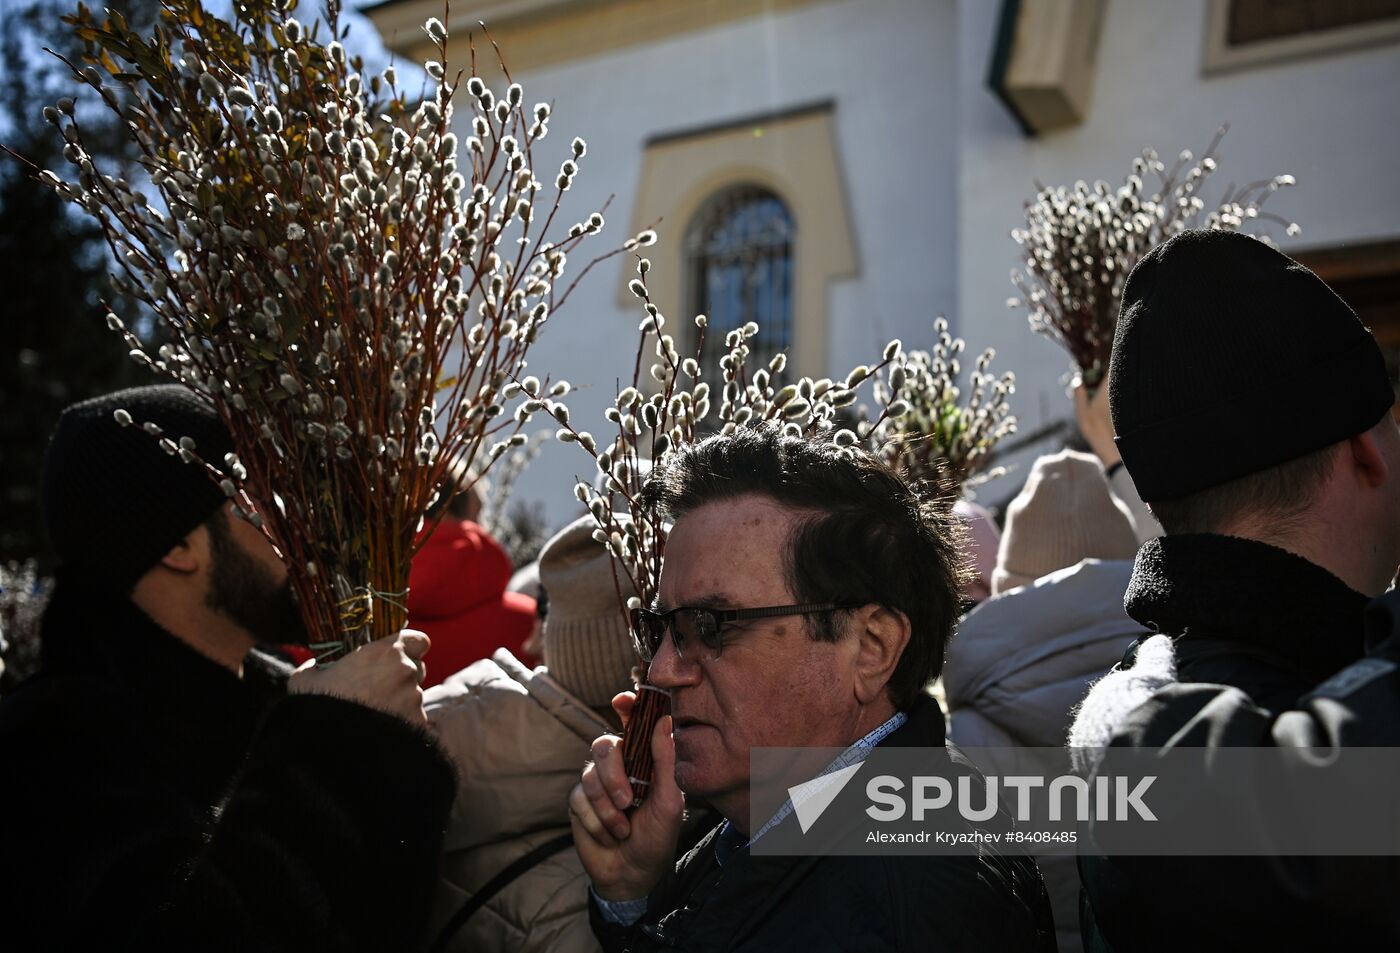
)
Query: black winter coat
[
  {"x": 1257, "y": 630},
  {"x": 152, "y": 800},
  {"x": 990, "y": 902}
]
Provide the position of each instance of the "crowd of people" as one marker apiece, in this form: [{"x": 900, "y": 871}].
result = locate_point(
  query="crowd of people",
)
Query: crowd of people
[{"x": 1213, "y": 573}]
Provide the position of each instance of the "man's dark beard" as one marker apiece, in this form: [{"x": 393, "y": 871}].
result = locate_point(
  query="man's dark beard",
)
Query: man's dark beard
[{"x": 244, "y": 590}]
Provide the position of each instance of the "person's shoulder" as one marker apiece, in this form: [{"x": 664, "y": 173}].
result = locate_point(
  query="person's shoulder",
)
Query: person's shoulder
[
  {"x": 57, "y": 732},
  {"x": 1189, "y": 714},
  {"x": 1103, "y": 578},
  {"x": 490, "y": 721},
  {"x": 1090, "y": 585},
  {"x": 480, "y": 677},
  {"x": 987, "y": 872},
  {"x": 503, "y": 687},
  {"x": 990, "y": 897},
  {"x": 484, "y": 690},
  {"x": 58, "y": 704}
]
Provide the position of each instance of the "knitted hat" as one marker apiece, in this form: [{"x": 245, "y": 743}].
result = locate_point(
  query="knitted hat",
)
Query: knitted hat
[
  {"x": 982, "y": 542},
  {"x": 587, "y": 643},
  {"x": 114, "y": 502},
  {"x": 1231, "y": 358},
  {"x": 1065, "y": 513},
  {"x": 457, "y": 595}
]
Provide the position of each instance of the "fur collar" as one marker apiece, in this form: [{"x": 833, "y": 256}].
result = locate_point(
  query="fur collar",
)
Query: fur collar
[{"x": 1115, "y": 696}]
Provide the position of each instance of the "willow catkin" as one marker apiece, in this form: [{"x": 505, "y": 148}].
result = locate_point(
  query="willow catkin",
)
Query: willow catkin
[{"x": 1080, "y": 243}]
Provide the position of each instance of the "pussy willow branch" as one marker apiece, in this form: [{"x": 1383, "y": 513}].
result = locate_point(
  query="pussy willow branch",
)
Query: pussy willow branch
[{"x": 318, "y": 259}]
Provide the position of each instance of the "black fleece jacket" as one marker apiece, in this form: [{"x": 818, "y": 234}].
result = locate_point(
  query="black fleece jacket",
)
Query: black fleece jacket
[
  {"x": 153, "y": 800},
  {"x": 1260, "y": 637}
]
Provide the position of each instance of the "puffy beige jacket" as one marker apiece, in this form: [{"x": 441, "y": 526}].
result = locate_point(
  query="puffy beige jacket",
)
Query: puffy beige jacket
[{"x": 519, "y": 742}]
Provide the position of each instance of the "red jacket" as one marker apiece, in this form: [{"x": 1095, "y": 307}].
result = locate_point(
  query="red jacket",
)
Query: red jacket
[{"x": 457, "y": 594}]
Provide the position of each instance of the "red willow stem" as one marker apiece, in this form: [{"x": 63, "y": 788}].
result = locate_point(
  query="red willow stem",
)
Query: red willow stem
[{"x": 652, "y": 705}]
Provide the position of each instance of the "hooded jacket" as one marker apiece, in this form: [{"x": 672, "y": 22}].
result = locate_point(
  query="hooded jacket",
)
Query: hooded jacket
[
  {"x": 457, "y": 595},
  {"x": 1021, "y": 662},
  {"x": 154, "y": 800},
  {"x": 1018, "y": 667},
  {"x": 519, "y": 742},
  {"x": 1252, "y": 641}
]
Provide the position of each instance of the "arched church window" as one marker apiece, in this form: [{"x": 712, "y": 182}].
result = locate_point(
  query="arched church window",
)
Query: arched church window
[{"x": 739, "y": 253}]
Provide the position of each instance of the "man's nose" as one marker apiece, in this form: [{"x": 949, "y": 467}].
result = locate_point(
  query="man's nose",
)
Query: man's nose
[{"x": 669, "y": 670}]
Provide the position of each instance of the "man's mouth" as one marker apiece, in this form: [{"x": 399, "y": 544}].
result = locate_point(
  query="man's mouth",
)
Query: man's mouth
[{"x": 682, "y": 722}]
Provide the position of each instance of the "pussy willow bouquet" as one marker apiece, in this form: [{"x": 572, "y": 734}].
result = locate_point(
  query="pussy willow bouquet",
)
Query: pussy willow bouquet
[
  {"x": 351, "y": 286},
  {"x": 942, "y": 434},
  {"x": 664, "y": 410},
  {"x": 1080, "y": 244},
  {"x": 520, "y": 530}
]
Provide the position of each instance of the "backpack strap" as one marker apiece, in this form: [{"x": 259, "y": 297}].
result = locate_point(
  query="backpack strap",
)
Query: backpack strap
[{"x": 495, "y": 885}]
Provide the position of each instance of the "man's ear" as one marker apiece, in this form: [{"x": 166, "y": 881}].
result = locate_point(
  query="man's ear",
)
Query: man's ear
[
  {"x": 189, "y": 554},
  {"x": 883, "y": 636},
  {"x": 1368, "y": 462}
]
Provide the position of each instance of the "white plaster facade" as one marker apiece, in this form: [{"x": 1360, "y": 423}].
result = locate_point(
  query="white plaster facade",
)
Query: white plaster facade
[
  {"x": 936, "y": 170},
  {"x": 1332, "y": 121}
]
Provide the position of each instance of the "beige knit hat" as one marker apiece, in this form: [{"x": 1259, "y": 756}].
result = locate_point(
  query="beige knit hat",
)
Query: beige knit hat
[
  {"x": 1065, "y": 513},
  {"x": 587, "y": 644}
]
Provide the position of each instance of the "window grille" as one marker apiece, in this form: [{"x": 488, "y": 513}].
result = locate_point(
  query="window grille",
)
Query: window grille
[{"x": 739, "y": 253}]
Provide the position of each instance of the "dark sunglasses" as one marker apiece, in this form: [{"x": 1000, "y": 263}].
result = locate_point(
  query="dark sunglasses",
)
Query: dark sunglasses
[{"x": 692, "y": 625}]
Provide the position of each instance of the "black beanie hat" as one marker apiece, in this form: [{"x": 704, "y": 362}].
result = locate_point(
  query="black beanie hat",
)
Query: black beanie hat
[
  {"x": 1231, "y": 358},
  {"x": 114, "y": 501}
]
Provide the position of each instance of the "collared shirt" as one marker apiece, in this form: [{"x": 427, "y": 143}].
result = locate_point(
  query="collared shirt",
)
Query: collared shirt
[{"x": 729, "y": 840}]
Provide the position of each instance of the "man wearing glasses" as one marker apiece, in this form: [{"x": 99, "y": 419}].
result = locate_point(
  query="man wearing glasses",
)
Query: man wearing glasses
[{"x": 806, "y": 599}]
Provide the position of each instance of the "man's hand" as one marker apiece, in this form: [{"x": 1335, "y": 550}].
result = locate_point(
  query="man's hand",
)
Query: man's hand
[
  {"x": 386, "y": 675},
  {"x": 627, "y": 856},
  {"x": 1091, "y": 412}
]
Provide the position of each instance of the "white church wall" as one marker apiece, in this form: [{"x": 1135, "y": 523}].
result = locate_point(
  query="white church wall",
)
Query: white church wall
[
  {"x": 889, "y": 68},
  {"x": 1332, "y": 121}
]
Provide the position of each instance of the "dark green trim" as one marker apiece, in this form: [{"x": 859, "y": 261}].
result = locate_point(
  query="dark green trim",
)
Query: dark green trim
[{"x": 1001, "y": 60}]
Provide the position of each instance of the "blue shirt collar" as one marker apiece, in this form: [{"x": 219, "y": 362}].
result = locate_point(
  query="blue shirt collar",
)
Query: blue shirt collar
[{"x": 729, "y": 839}]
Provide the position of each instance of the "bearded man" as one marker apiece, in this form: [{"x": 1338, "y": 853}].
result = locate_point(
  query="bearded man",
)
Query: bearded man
[{"x": 166, "y": 785}]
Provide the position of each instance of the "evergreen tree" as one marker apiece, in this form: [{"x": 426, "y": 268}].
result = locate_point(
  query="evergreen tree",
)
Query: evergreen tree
[{"x": 55, "y": 264}]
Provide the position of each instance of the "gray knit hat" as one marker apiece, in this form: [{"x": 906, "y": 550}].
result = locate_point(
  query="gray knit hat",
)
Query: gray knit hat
[
  {"x": 587, "y": 644},
  {"x": 1065, "y": 513}
]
